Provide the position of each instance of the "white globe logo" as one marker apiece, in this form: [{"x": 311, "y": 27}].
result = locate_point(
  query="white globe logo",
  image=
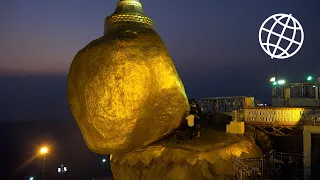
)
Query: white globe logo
[{"x": 279, "y": 52}]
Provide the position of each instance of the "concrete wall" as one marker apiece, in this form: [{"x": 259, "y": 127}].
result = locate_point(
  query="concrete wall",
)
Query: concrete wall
[
  {"x": 235, "y": 127},
  {"x": 303, "y": 102},
  {"x": 307, "y": 131},
  {"x": 315, "y": 156},
  {"x": 277, "y": 101},
  {"x": 296, "y": 102}
]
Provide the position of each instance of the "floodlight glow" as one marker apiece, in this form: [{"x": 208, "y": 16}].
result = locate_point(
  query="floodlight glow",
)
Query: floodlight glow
[
  {"x": 274, "y": 83},
  {"x": 309, "y": 78},
  {"x": 31, "y": 178},
  {"x": 44, "y": 150},
  {"x": 281, "y": 82},
  {"x": 273, "y": 79}
]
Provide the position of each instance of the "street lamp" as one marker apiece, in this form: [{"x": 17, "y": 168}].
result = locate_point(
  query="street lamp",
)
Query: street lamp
[
  {"x": 103, "y": 163},
  {"x": 309, "y": 78},
  {"x": 43, "y": 151},
  {"x": 62, "y": 169},
  {"x": 273, "y": 79},
  {"x": 281, "y": 82},
  {"x": 104, "y": 160}
]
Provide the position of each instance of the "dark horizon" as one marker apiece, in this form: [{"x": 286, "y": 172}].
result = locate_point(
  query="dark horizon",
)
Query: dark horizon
[
  {"x": 24, "y": 138},
  {"x": 39, "y": 97}
]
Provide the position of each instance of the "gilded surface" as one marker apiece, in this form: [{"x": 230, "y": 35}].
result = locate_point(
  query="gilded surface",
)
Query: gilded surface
[
  {"x": 124, "y": 91},
  {"x": 207, "y": 157},
  {"x": 127, "y": 14}
]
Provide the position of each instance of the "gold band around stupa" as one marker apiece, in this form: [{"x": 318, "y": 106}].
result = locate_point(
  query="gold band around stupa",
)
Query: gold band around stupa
[
  {"x": 129, "y": 13},
  {"x": 129, "y": 17},
  {"x": 129, "y": 3}
]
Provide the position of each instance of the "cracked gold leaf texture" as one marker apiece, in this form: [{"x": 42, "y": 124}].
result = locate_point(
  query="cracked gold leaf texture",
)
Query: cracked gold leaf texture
[{"x": 124, "y": 91}]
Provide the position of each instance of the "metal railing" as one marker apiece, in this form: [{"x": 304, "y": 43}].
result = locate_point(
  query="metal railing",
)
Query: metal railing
[
  {"x": 311, "y": 121},
  {"x": 268, "y": 166},
  {"x": 248, "y": 169}
]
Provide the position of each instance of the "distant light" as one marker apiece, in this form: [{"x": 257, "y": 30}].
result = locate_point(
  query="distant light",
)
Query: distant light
[
  {"x": 44, "y": 150},
  {"x": 281, "y": 82},
  {"x": 31, "y": 178},
  {"x": 273, "y": 79},
  {"x": 104, "y": 160},
  {"x": 313, "y": 86},
  {"x": 62, "y": 169},
  {"x": 309, "y": 78},
  {"x": 274, "y": 83}
]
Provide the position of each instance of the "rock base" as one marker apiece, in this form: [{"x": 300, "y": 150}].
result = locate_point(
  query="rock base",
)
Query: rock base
[{"x": 206, "y": 157}]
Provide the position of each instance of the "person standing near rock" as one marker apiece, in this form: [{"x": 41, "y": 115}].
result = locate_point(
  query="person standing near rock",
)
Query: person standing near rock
[
  {"x": 190, "y": 120},
  {"x": 197, "y": 116},
  {"x": 208, "y": 118},
  {"x": 195, "y": 109}
]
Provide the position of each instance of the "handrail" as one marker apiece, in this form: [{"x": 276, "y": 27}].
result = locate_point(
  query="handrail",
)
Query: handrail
[{"x": 264, "y": 165}]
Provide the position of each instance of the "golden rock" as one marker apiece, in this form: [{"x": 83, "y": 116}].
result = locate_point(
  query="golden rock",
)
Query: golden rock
[
  {"x": 123, "y": 88},
  {"x": 207, "y": 157}
]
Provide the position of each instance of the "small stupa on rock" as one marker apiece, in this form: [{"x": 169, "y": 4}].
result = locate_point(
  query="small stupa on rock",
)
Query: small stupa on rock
[
  {"x": 128, "y": 14},
  {"x": 123, "y": 88}
]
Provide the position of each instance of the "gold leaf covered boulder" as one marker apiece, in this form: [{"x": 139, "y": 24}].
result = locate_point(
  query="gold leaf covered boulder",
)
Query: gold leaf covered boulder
[
  {"x": 123, "y": 88},
  {"x": 210, "y": 156}
]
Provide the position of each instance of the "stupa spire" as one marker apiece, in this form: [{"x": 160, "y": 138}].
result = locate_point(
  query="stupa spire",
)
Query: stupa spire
[{"x": 128, "y": 14}]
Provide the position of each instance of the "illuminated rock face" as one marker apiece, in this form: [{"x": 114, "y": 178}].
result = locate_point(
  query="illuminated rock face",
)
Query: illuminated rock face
[
  {"x": 124, "y": 91},
  {"x": 206, "y": 157}
]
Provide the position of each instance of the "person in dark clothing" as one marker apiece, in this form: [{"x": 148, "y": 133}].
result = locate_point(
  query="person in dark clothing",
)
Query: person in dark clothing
[
  {"x": 190, "y": 120},
  {"x": 208, "y": 118},
  {"x": 197, "y": 113}
]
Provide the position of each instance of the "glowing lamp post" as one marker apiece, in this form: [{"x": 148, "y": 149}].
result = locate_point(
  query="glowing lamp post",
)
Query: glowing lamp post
[
  {"x": 103, "y": 163},
  {"x": 62, "y": 169},
  {"x": 43, "y": 151}
]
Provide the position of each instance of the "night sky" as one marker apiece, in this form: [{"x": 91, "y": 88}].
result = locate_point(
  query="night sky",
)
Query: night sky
[{"x": 214, "y": 45}]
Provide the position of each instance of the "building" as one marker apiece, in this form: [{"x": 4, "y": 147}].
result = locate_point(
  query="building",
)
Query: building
[{"x": 301, "y": 94}]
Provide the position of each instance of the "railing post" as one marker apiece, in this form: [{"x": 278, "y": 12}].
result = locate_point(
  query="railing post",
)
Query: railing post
[{"x": 316, "y": 93}]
